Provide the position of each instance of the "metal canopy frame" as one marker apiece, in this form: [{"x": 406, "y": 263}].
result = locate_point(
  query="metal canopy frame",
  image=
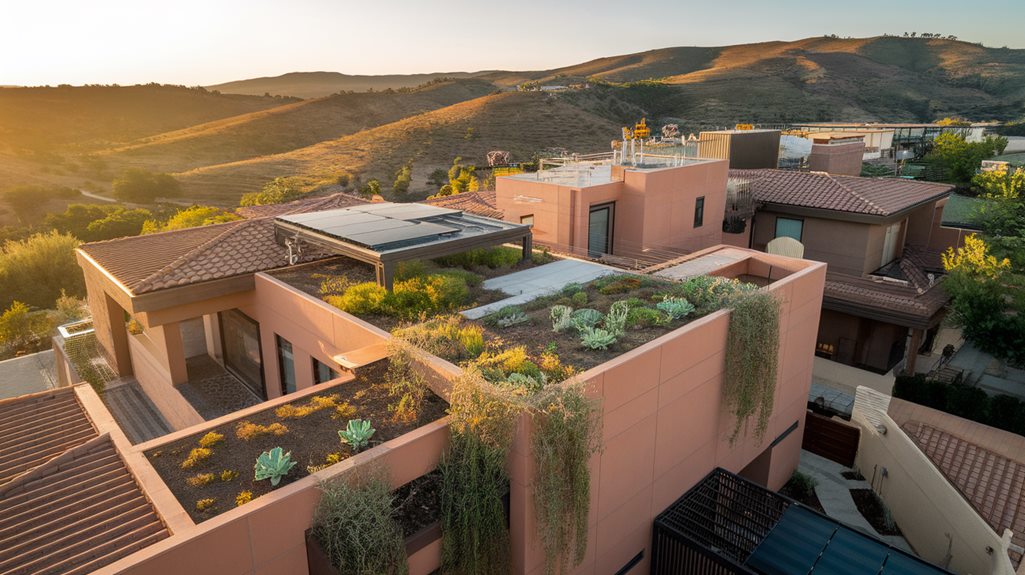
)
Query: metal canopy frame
[{"x": 295, "y": 234}]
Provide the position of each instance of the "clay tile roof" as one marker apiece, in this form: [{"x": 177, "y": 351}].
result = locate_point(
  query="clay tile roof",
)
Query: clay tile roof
[
  {"x": 480, "y": 203},
  {"x": 154, "y": 262},
  {"x": 870, "y": 196},
  {"x": 992, "y": 483},
  {"x": 73, "y": 507},
  {"x": 37, "y": 428},
  {"x": 912, "y": 301}
]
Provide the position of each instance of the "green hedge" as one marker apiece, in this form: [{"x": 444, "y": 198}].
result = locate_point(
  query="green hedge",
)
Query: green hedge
[{"x": 1000, "y": 411}]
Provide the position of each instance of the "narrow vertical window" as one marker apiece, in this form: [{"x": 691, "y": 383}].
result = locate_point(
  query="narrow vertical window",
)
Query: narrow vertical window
[
  {"x": 699, "y": 212},
  {"x": 286, "y": 365}
]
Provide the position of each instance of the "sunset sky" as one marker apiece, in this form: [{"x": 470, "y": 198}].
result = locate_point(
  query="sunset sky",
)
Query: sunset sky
[{"x": 210, "y": 41}]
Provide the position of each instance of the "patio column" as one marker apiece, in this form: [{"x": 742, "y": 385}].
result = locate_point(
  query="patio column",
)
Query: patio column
[
  {"x": 528, "y": 247},
  {"x": 386, "y": 275},
  {"x": 174, "y": 352},
  {"x": 912, "y": 353}
]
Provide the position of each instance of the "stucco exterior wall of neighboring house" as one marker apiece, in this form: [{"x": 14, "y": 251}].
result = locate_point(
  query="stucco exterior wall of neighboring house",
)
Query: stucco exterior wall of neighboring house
[
  {"x": 664, "y": 427},
  {"x": 837, "y": 158},
  {"x": 843, "y": 245},
  {"x": 654, "y": 208},
  {"x": 861, "y": 342},
  {"x": 935, "y": 519}
]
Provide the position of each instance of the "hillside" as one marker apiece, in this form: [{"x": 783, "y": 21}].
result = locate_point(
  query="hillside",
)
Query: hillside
[
  {"x": 320, "y": 84},
  {"x": 520, "y": 122},
  {"x": 53, "y": 120},
  {"x": 285, "y": 128}
]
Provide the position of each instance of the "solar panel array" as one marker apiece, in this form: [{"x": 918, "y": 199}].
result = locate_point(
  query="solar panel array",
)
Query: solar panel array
[{"x": 379, "y": 226}]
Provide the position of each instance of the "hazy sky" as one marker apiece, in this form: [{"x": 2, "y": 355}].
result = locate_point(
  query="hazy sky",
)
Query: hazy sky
[{"x": 210, "y": 41}]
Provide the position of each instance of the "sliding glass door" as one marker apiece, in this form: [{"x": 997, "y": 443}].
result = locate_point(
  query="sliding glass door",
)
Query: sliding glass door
[{"x": 242, "y": 354}]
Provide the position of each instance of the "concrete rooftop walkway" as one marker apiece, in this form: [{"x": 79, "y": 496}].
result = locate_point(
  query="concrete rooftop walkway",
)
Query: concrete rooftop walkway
[{"x": 535, "y": 282}]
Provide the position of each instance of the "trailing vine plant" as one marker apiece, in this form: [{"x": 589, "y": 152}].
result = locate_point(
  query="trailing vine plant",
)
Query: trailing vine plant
[
  {"x": 566, "y": 435},
  {"x": 475, "y": 539},
  {"x": 752, "y": 346}
]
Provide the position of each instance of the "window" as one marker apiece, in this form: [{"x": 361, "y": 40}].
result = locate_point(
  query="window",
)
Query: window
[
  {"x": 600, "y": 223},
  {"x": 286, "y": 365},
  {"x": 322, "y": 372},
  {"x": 527, "y": 220},
  {"x": 790, "y": 228},
  {"x": 240, "y": 340},
  {"x": 825, "y": 350},
  {"x": 699, "y": 212}
]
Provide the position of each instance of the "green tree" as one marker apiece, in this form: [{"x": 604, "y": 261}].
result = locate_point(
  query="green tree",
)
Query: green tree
[
  {"x": 144, "y": 187},
  {"x": 371, "y": 188},
  {"x": 438, "y": 178},
  {"x": 959, "y": 158},
  {"x": 76, "y": 218},
  {"x": 37, "y": 269},
  {"x": 120, "y": 222},
  {"x": 403, "y": 177},
  {"x": 27, "y": 202},
  {"x": 16, "y": 329},
  {"x": 987, "y": 299},
  {"x": 191, "y": 217},
  {"x": 277, "y": 191},
  {"x": 1002, "y": 216}
]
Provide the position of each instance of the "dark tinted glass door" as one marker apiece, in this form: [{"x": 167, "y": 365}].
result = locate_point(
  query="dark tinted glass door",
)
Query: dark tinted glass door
[
  {"x": 242, "y": 357},
  {"x": 599, "y": 230}
]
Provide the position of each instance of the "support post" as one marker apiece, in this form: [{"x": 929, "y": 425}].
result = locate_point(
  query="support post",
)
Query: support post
[
  {"x": 528, "y": 246},
  {"x": 386, "y": 275},
  {"x": 912, "y": 352}
]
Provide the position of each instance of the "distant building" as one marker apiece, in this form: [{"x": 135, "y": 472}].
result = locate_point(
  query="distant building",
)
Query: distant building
[{"x": 745, "y": 149}]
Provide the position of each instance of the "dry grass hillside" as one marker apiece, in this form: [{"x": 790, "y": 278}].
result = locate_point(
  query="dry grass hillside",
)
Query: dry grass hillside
[
  {"x": 320, "y": 84},
  {"x": 520, "y": 122},
  {"x": 285, "y": 128},
  {"x": 54, "y": 120}
]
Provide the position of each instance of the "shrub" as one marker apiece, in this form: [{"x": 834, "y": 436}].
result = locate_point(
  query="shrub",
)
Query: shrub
[
  {"x": 277, "y": 191},
  {"x": 620, "y": 284},
  {"x": 344, "y": 411},
  {"x": 712, "y": 293},
  {"x": 404, "y": 382},
  {"x": 675, "y": 308},
  {"x": 38, "y": 269},
  {"x": 243, "y": 497},
  {"x": 273, "y": 465},
  {"x": 596, "y": 338},
  {"x": 494, "y": 258},
  {"x": 410, "y": 269},
  {"x": 582, "y": 319},
  {"x": 802, "y": 484},
  {"x": 315, "y": 404},
  {"x": 566, "y": 435},
  {"x": 211, "y": 439},
  {"x": 615, "y": 321},
  {"x": 571, "y": 288},
  {"x": 200, "y": 479},
  {"x": 361, "y": 299},
  {"x": 497, "y": 366},
  {"x": 204, "y": 504},
  {"x": 228, "y": 475},
  {"x": 561, "y": 317},
  {"x": 353, "y": 523},
  {"x": 357, "y": 433},
  {"x": 508, "y": 316},
  {"x": 335, "y": 285},
  {"x": 579, "y": 299},
  {"x": 196, "y": 456},
  {"x": 752, "y": 345},
  {"x": 246, "y": 430},
  {"x": 141, "y": 186},
  {"x": 639, "y": 317},
  {"x": 449, "y": 337}
]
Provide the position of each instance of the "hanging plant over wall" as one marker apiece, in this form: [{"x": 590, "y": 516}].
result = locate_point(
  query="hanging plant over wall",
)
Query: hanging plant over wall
[
  {"x": 475, "y": 539},
  {"x": 566, "y": 435},
  {"x": 752, "y": 351}
]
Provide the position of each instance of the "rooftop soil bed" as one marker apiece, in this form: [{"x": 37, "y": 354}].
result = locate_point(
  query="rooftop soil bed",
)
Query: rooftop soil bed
[
  {"x": 417, "y": 503},
  {"x": 538, "y": 336},
  {"x": 312, "y": 439}
]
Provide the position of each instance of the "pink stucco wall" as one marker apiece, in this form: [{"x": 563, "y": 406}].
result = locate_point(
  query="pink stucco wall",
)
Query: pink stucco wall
[{"x": 654, "y": 207}]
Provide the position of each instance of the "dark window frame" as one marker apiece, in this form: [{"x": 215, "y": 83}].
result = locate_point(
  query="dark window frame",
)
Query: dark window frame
[
  {"x": 262, "y": 392},
  {"x": 775, "y": 230},
  {"x": 316, "y": 371},
  {"x": 611, "y": 239},
  {"x": 278, "y": 340},
  {"x": 526, "y": 217},
  {"x": 699, "y": 211}
]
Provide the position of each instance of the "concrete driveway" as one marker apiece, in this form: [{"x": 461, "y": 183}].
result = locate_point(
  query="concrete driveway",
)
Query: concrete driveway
[{"x": 27, "y": 374}]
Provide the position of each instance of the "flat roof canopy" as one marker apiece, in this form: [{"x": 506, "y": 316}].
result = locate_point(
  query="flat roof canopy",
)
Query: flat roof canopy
[{"x": 384, "y": 234}]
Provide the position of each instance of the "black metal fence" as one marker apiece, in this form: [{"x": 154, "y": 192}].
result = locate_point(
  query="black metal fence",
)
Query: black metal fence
[{"x": 714, "y": 527}]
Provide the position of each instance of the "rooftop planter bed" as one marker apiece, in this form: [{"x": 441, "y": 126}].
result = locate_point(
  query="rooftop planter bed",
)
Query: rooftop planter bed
[
  {"x": 582, "y": 326},
  {"x": 213, "y": 472},
  {"x": 446, "y": 284}
]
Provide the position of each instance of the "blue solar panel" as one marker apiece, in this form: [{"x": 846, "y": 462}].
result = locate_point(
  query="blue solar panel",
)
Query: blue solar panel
[{"x": 806, "y": 543}]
